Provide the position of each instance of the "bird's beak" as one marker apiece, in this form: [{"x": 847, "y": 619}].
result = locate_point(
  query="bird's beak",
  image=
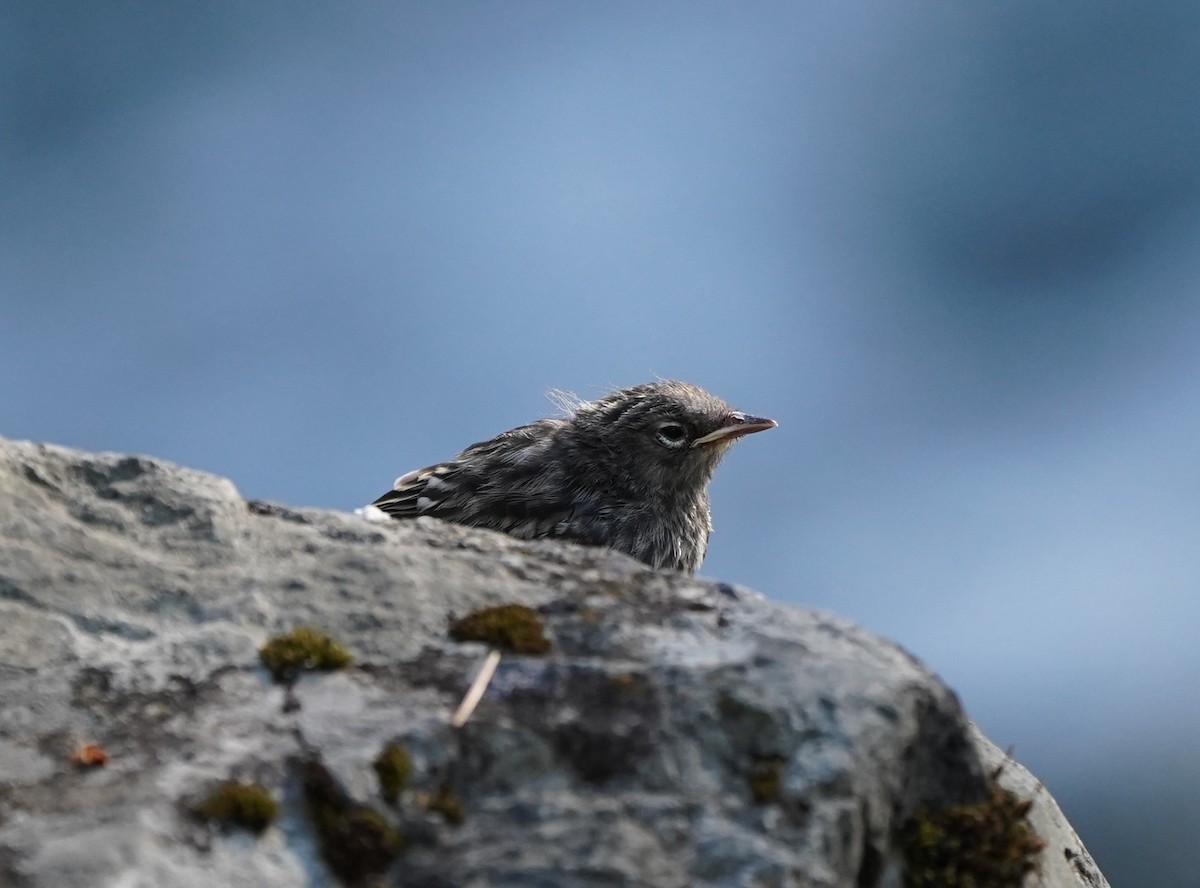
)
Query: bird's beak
[{"x": 737, "y": 425}]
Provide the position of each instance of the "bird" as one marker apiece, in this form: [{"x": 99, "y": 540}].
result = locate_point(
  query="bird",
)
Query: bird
[{"x": 628, "y": 471}]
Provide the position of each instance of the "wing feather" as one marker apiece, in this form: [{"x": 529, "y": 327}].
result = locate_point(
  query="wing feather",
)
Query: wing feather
[{"x": 487, "y": 484}]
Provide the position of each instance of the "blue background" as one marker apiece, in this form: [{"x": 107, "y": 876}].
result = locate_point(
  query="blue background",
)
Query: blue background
[{"x": 953, "y": 248}]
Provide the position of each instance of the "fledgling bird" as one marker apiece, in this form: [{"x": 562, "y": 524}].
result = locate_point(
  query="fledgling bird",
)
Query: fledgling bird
[{"x": 629, "y": 471}]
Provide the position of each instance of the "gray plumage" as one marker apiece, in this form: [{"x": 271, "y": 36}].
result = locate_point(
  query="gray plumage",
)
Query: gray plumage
[{"x": 629, "y": 471}]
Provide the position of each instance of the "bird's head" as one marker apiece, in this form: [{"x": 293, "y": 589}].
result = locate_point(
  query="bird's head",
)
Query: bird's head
[{"x": 669, "y": 434}]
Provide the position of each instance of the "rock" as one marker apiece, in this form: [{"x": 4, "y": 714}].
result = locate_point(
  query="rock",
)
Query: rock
[
  {"x": 1064, "y": 860},
  {"x": 678, "y": 732}
]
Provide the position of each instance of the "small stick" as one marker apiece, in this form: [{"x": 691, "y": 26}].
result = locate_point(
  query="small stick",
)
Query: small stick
[{"x": 475, "y": 692}]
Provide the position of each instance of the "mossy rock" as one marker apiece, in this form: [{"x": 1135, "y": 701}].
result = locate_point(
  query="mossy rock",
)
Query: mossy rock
[
  {"x": 232, "y": 804},
  {"x": 393, "y": 767},
  {"x": 986, "y": 845},
  {"x": 304, "y": 648},
  {"x": 515, "y": 628},
  {"x": 355, "y": 841},
  {"x": 446, "y": 802}
]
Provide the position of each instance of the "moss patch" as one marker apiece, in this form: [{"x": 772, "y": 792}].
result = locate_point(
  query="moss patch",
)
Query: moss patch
[
  {"x": 232, "y": 804},
  {"x": 393, "y": 767},
  {"x": 509, "y": 627},
  {"x": 445, "y": 802},
  {"x": 355, "y": 841},
  {"x": 765, "y": 779},
  {"x": 987, "y": 845},
  {"x": 304, "y": 648}
]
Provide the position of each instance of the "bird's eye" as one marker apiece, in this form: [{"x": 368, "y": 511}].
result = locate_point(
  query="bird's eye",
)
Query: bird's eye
[{"x": 671, "y": 434}]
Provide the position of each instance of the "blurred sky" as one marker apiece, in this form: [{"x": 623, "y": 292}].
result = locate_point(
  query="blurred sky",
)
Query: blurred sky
[{"x": 953, "y": 248}]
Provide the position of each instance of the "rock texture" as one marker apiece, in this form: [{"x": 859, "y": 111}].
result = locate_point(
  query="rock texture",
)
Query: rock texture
[{"x": 678, "y": 732}]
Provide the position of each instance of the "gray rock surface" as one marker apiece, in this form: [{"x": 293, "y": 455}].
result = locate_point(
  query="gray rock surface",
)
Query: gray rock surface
[{"x": 680, "y": 732}]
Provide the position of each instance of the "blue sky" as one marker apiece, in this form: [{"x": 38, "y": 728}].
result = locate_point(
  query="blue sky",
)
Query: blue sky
[{"x": 952, "y": 249}]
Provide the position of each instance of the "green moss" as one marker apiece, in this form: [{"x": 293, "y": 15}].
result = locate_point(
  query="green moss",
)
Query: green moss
[
  {"x": 392, "y": 766},
  {"x": 509, "y": 627},
  {"x": 232, "y": 804},
  {"x": 285, "y": 656},
  {"x": 445, "y": 802},
  {"x": 355, "y": 841},
  {"x": 765, "y": 780},
  {"x": 987, "y": 845}
]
